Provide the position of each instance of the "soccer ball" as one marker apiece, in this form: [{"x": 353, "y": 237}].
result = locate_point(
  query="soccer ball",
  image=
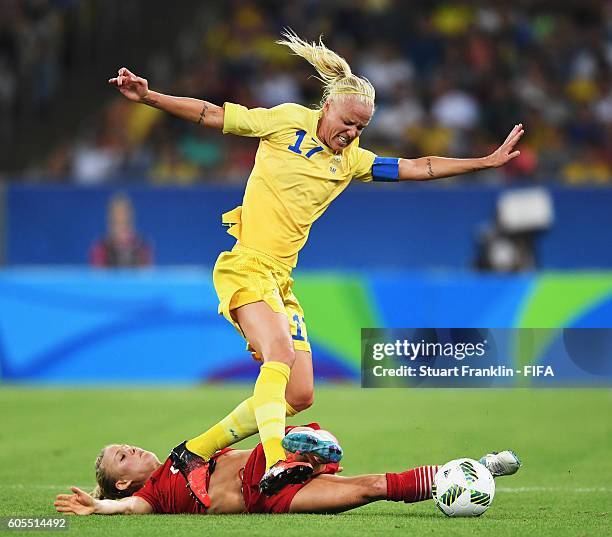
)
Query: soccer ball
[{"x": 463, "y": 487}]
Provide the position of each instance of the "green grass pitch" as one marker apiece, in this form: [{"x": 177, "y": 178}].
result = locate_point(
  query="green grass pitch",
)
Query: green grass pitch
[{"x": 49, "y": 439}]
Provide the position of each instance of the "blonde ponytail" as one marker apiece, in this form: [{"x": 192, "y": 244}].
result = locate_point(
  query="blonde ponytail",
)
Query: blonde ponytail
[
  {"x": 334, "y": 71},
  {"x": 97, "y": 493}
]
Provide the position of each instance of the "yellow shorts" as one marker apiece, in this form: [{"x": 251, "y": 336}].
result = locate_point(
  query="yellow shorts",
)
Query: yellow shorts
[{"x": 244, "y": 276}]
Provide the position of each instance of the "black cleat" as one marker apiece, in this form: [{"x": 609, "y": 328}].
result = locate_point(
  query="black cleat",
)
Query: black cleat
[
  {"x": 195, "y": 470},
  {"x": 287, "y": 472}
]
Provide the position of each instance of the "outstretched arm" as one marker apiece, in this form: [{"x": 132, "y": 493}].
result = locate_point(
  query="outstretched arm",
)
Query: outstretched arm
[
  {"x": 136, "y": 89},
  {"x": 81, "y": 503},
  {"x": 425, "y": 168}
]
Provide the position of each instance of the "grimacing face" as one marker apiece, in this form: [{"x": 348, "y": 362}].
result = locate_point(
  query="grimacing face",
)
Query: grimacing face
[
  {"x": 129, "y": 464},
  {"x": 342, "y": 121}
]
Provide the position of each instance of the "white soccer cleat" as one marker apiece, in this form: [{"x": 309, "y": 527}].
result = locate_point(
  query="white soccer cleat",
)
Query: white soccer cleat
[{"x": 502, "y": 463}]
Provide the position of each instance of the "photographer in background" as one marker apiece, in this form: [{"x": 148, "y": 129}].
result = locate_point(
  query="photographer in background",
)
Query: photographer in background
[
  {"x": 122, "y": 247},
  {"x": 509, "y": 243}
]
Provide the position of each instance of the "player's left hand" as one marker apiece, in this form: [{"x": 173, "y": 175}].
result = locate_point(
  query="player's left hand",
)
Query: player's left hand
[
  {"x": 134, "y": 88},
  {"x": 78, "y": 503},
  {"x": 505, "y": 152}
]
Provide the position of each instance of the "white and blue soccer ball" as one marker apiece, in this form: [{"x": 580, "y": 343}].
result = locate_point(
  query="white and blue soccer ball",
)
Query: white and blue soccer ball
[{"x": 463, "y": 487}]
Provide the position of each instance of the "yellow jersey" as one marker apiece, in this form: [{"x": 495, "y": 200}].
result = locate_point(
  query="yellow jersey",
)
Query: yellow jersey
[{"x": 294, "y": 179}]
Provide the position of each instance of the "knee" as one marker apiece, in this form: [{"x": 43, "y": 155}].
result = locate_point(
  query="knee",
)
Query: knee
[{"x": 278, "y": 350}]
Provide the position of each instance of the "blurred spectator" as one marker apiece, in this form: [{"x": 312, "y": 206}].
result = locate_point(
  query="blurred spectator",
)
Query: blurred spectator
[
  {"x": 460, "y": 74},
  {"x": 453, "y": 107},
  {"x": 8, "y": 87},
  {"x": 276, "y": 86},
  {"x": 387, "y": 69},
  {"x": 172, "y": 169},
  {"x": 602, "y": 107},
  {"x": 588, "y": 168},
  {"x": 94, "y": 162},
  {"x": 393, "y": 118},
  {"x": 40, "y": 51},
  {"x": 431, "y": 138},
  {"x": 122, "y": 247}
]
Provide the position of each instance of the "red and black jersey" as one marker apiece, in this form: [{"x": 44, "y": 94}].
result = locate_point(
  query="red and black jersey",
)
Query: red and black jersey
[{"x": 166, "y": 491}]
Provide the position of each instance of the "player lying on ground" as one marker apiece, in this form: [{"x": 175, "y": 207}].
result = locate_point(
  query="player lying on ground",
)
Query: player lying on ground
[
  {"x": 134, "y": 481},
  {"x": 305, "y": 159}
]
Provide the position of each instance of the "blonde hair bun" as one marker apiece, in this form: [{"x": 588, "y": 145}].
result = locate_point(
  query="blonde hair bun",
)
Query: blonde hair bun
[{"x": 334, "y": 71}]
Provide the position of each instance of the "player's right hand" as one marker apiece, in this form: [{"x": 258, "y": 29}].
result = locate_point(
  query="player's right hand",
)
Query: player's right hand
[
  {"x": 131, "y": 86},
  {"x": 78, "y": 503}
]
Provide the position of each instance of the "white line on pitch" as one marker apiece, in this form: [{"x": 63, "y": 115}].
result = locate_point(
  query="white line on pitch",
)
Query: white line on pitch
[
  {"x": 498, "y": 489},
  {"x": 44, "y": 487},
  {"x": 554, "y": 489}
]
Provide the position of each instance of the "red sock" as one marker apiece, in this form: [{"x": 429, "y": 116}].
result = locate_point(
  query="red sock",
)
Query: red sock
[{"x": 411, "y": 486}]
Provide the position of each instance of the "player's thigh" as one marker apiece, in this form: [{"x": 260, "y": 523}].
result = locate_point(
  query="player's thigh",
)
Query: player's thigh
[
  {"x": 300, "y": 389},
  {"x": 266, "y": 331}
]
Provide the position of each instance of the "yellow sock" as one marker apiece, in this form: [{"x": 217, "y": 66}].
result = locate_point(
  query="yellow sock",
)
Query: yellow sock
[
  {"x": 290, "y": 410},
  {"x": 270, "y": 408},
  {"x": 238, "y": 424}
]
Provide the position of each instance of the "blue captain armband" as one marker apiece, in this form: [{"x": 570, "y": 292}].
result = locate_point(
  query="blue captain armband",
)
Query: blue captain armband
[{"x": 385, "y": 169}]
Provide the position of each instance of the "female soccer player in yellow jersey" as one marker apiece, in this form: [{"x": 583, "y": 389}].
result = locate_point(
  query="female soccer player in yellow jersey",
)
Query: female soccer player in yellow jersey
[{"x": 305, "y": 159}]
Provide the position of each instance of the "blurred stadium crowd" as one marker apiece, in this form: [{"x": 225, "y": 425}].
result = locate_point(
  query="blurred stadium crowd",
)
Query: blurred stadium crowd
[{"x": 452, "y": 78}]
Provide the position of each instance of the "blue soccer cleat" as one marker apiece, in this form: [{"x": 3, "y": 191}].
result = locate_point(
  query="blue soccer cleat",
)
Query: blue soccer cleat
[{"x": 321, "y": 444}]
